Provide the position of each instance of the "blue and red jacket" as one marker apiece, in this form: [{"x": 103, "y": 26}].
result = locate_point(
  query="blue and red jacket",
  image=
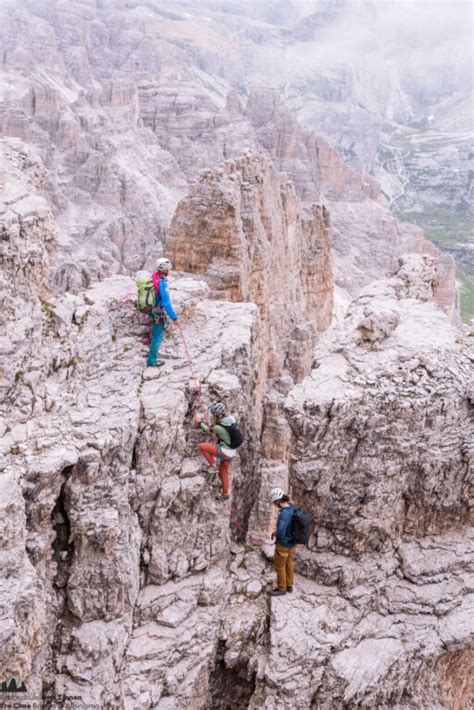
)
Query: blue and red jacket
[{"x": 162, "y": 298}]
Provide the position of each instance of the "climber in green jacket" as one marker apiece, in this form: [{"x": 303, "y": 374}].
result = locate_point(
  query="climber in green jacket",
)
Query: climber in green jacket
[{"x": 228, "y": 436}]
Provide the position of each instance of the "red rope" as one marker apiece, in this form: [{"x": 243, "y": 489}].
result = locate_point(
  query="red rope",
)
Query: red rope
[
  {"x": 247, "y": 535},
  {"x": 193, "y": 373}
]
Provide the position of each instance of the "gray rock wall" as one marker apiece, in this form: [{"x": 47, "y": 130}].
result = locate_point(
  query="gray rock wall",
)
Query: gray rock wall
[
  {"x": 125, "y": 583},
  {"x": 381, "y": 455}
]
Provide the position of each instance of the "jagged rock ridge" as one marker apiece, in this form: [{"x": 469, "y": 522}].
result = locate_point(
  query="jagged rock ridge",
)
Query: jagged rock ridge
[
  {"x": 124, "y": 582},
  {"x": 244, "y": 229}
]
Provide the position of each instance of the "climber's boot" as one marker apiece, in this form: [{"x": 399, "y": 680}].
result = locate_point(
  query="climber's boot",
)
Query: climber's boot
[{"x": 277, "y": 592}]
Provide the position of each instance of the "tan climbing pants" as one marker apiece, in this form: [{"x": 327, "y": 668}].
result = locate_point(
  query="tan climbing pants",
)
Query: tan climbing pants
[{"x": 284, "y": 566}]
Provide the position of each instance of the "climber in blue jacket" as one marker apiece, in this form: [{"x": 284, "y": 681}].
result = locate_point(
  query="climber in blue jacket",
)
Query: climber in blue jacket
[
  {"x": 163, "y": 308},
  {"x": 285, "y": 544}
]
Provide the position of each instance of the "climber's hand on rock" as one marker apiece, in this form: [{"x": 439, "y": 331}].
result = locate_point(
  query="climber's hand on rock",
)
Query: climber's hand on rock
[{"x": 274, "y": 535}]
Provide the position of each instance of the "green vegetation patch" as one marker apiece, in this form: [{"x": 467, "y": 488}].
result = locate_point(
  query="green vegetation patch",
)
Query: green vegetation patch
[
  {"x": 465, "y": 276},
  {"x": 452, "y": 230}
]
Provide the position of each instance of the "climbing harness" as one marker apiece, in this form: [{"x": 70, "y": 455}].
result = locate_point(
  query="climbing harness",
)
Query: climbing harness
[
  {"x": 159, "y": 315},
  {"x": 224, "y": 453}
]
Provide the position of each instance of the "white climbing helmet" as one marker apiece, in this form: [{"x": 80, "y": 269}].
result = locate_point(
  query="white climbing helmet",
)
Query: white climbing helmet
[
  {"x": 164, "y": 264},
  {"x": 276, "y": 494},
  {"x": 218, "y": 409}
]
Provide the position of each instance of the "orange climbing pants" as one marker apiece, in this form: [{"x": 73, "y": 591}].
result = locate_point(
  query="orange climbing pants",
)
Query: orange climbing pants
[
  {"x": 284, "y": 566},
  {"x": 211, "y": 454}
]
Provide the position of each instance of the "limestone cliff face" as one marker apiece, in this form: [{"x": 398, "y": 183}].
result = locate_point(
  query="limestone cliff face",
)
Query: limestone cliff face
[
  {"x": 27, "y": 240},
  {"x": 383, "y": 380},
  {"x": 381, "y": 453},
  {"x": 242, "y": 227},
  {"x": 124, "y": 582},
  {"x": 108, "y": 517},
  {"x": 313, "y": 165}
]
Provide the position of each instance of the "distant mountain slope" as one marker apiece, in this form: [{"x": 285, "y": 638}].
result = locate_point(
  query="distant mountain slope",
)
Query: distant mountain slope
[{"x": 127, "y": 102}]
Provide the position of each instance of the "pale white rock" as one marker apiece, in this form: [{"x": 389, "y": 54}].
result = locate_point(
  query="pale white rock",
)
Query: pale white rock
[
  {"x": 254, "y": 588},
  {"x": 367, "y": 663}
]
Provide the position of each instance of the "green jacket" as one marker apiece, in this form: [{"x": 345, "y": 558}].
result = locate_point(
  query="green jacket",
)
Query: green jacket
[{"x": 219, "y": 431}]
